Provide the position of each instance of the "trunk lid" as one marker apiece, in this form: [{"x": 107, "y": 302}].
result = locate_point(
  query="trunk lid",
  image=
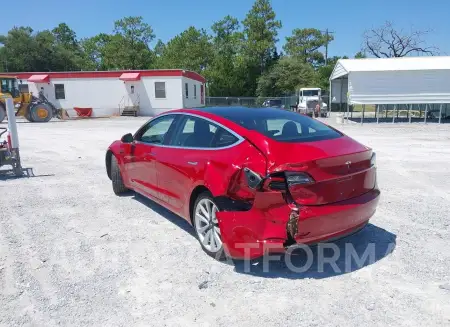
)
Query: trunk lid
[{"x": 340, "y": 168}]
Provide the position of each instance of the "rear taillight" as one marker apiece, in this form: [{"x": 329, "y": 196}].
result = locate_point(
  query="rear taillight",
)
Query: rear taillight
[
  {"x": 275, "y": 183},
  {"x": 280, "y": 182},
  {"x": 297, "y": 178}
]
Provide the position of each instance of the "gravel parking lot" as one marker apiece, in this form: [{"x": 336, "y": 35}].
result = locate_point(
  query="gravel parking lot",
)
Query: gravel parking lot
[{"x": 74, "y": 254}]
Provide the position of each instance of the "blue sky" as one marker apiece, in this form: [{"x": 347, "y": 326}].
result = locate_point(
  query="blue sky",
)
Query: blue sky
[{"x": 348, "y": 19}]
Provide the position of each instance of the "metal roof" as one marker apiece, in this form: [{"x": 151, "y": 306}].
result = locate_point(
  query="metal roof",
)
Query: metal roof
[{"x": 345, "y": 66}]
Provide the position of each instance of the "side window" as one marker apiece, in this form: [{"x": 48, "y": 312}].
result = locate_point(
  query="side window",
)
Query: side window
[
  {"x": 186, "y": 90},
  {"x": 195, "y": 132},
  {"x": 223, "y": 138},
  {"x": 156, "y": 131},
  {"x": 195, "y": 91},
  {"x": 59, "y": 92}
]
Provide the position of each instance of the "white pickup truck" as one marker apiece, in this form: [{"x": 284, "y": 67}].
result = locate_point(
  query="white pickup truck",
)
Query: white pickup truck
[{"x": 310, "y": 102}]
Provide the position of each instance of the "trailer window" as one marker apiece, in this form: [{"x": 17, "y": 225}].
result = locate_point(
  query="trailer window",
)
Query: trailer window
[
  {"x": 59, "y": 92},
  {"x": 195, "y": 91},
  {"x": 160, "y": 90},
  {"x": 186, "y": 90}
]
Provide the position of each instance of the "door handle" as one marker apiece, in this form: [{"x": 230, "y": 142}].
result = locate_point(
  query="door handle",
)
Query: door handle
[{"x": 193, "y": 163}]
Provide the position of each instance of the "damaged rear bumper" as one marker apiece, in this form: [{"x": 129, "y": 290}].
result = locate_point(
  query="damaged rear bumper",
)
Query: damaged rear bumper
[{"x": 272, "y": 224}]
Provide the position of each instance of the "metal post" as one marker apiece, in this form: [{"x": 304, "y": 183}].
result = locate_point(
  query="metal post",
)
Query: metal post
[
  {"x": 362, "y": 115},
  {"x": 426, "y": 114},
  {"x": 378, "y": 113},
  {"x": 409, "y": 112},
  {"x": 348, "y": 110},
  {"x": 330, "y": 101},
  {"x": 12, "y": 125},
  {"x": 393, "y": 113},
  {"x": 440, "y": 113},
  {"x": 13, "y": 136}
]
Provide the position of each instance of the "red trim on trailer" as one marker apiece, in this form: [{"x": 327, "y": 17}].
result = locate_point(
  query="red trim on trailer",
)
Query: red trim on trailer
[
  {"x": 194, "y": 76},
  {"x": 130, "y": 77},
  {"x": 113, "y": 74},
  {"x": 39, "y": 79}
]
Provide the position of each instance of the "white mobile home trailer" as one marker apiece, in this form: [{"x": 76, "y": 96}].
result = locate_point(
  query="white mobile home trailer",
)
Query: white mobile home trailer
[{"x": 150, "y": 92}]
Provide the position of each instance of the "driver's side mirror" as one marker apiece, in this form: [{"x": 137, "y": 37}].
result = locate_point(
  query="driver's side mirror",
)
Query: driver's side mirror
[{"x": 127, "y": 138}]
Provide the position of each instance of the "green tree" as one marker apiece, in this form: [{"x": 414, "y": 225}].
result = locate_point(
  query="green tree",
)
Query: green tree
[
  {"x": 224, "y": 72},
  {"x": 260, "y": 36},
  {"x": 18, "y": 51},
  {"x": 285, "y": 77},
  {"x": 159, "y": 48},
  {"x": 360, "y": 55},
  {"x": 94, "y": 51},
  {"x": 128, "y": 47},
  {"x": 189, "y": 50},
  {"x": 66, "y": 37},
  {"x": 69, "y": 54},
  {"x": 305, "y": 44}
]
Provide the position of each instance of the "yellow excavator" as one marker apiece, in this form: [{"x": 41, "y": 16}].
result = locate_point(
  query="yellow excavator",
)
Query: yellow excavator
[{"x": 34, "y": 109}]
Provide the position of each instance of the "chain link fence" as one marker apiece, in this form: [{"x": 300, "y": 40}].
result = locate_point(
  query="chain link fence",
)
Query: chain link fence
[{"x": 285, "y": 102}]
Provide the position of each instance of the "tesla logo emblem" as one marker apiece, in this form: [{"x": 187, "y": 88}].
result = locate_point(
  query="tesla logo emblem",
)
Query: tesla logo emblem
[{"x": 348, "y": 163}]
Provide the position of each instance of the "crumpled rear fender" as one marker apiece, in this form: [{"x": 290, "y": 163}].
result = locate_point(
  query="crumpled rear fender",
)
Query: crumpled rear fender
[{"x": 250, "y": 234}]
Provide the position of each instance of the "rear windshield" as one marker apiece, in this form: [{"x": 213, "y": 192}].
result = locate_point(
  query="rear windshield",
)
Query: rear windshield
[{"x": 283, "y": 126}]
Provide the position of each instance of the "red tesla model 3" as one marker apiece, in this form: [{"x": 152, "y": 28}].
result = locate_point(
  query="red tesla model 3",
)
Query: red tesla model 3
[{"x": 250, "y": 181}]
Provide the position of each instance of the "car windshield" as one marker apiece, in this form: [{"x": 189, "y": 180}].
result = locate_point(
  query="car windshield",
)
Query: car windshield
[
  {"x": 275, "y": 102},
  {"x": 279, "y": 125},
  {"x": 310, "y": 93}
]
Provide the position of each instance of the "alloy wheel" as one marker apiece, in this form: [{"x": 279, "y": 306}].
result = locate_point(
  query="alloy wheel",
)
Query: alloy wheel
[{"x": 206, "y": 225}]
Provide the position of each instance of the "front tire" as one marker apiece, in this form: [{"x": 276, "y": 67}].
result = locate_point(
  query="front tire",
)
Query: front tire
[
  {"x": 40, "y": 113},
  {"x": 207, "y": 227},
  {"x": 116, "y": 177}
]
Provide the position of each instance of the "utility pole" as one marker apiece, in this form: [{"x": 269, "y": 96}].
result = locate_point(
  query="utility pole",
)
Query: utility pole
[{"x": 327, "y": 35}]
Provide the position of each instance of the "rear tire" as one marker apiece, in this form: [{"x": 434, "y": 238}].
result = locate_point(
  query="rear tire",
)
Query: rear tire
[
  {"x": 2, "y": 113},
  {"x": 206, "y": 226},
  {"x": 40, "y": 113},
  {"x": 116, "y": 177}
]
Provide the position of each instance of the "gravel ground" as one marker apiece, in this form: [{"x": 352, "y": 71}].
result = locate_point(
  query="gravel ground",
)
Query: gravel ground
[{"x": 74, "y": 254}]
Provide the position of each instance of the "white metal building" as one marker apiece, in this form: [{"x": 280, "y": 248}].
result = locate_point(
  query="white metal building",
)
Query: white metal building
[
  {"x": 110, "y": 92},
  {"x": 392, "y": 81}
]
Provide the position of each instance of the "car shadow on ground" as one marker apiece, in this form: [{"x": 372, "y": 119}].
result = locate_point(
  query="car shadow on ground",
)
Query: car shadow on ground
[
  {"x": 167, "y": 214},
  {"x": 325, "y": 260},
  {"x": 339, "y": 257}
]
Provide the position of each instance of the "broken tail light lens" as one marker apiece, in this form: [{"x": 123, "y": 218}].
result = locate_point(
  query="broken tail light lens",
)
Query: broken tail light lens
[
  {"x": 297, "y": 178},
  {"x": 373, "y": 160}
]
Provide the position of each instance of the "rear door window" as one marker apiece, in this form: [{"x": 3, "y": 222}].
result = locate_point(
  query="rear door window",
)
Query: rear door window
[{"x": 195, "y": 132}]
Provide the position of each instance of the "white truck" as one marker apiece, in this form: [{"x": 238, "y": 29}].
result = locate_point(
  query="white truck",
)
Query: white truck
[{"x": 310, "y": 102}]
